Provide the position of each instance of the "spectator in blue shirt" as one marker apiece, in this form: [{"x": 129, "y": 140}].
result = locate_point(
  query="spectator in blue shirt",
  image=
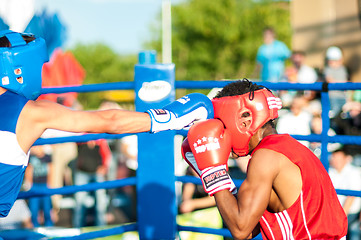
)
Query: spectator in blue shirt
[{"x": 271, "y": 57}]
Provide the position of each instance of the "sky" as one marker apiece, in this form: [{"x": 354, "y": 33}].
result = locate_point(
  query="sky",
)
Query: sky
[{"x": 124, "y": 25}]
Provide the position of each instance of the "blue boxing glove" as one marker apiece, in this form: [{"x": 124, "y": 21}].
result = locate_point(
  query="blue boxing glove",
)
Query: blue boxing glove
[{"x": 181, "y": 113}]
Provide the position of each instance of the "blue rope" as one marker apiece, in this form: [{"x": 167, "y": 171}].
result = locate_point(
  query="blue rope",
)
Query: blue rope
[
  {"x": 79, "y": 138},
  {"x": 207, "y": 84},
  {"x": 348, "y": 192},
  {"x": 344, "y": 139},
  {"x": 238, "y": 182},
  {"x": 77, "y": 188},
  {"x": 91, "y": 87}
]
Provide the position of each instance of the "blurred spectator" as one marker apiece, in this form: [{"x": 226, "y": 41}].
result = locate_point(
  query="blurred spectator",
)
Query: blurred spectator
[
  {"x": 129, "y": 150},
  {"x": 121, "y": 208},
  {"x": 18, "y": 218},
  {"x": 194, "y": 197},
  {"x": 237, "y": 167},
  {"x": 198, "y": 209},
  {"x": 114, "y": 144},
  {"x": 271, "y": 57},
  {"x": 124, "y": 198},
  {"x": 316, "y": 128},
  {"x": 356, "y": 95},
  {"x": 348, "y": 177},
  {"x": 62, "y": 154},
  {"x": 335, "y": 72},
  {"x": 297, "y": 121},
  {"x": 91, "y": 166},
  {"x": 37, "y": 177},
  {"x": 299, "y": 72},
  {"x": 348, "y": 122},
  {"x": 242, "y": 163}
]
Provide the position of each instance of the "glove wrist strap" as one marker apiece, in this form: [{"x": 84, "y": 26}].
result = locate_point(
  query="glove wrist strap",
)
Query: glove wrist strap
[
  {"x": 215, "y": 179},
  {"x": 160, "y": 120}
]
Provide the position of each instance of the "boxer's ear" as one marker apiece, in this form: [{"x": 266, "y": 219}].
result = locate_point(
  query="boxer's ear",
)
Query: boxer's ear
[{"x": 244, "y": 120}]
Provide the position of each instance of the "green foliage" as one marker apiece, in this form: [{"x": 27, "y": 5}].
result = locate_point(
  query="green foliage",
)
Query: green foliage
[
  {"x": 215, "y": 39},
  {"x": 102, "y": 65},
  {"x": 219, "y": 39}
]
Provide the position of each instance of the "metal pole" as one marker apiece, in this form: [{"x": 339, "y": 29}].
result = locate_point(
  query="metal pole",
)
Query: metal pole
[{"x": 166, "y": 32}]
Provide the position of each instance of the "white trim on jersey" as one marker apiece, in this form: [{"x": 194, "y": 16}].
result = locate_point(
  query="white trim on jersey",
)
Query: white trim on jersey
[
  {"x": 11, "y": 152},
  {"x": 285, "y": 224},
  {"x": 304, "y": 216},
  {"x": 269, "y": 228},
  {"x": 283, "y": 228},
  {"x": 289, "y": 221}
]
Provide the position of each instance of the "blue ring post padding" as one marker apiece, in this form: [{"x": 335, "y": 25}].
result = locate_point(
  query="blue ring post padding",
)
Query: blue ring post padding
[
  {"x": 147, "y": 57},
  {"x": 156, "y": 199},
  {"x": 325, "y": 102}
]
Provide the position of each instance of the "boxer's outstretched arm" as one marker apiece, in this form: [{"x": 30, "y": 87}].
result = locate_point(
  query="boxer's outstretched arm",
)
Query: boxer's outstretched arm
[
  {"x": 37, "y": 116},
  {"x": 242, "y": 215},
  {"x": 105, "y": 121}
]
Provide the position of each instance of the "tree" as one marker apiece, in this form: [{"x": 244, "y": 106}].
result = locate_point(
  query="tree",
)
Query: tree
[
  {"x": 102, "y": 65},
  {"x": 219, "y": 39}
]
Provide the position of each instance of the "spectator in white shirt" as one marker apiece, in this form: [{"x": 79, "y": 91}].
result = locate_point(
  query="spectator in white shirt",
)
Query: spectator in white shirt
[
  {"x": 297, "y": 121},
  {"x": 347, "y": 177}
]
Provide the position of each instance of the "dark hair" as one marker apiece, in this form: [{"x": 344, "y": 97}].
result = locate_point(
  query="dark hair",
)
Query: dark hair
[
  {"x": 341, "y": 149},
  {"x": 269, "y": 29},
  {"x": 241, "y": 87},
  {"x": 303, "y": 53},
  {"x": 4, "y": 41}
]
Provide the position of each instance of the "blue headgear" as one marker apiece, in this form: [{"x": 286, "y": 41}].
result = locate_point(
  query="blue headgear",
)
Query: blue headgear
[{"x": 21, "y": 64}]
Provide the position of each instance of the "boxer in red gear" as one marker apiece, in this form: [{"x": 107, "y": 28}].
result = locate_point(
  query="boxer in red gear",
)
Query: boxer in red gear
[{"x": 287, "y": 193}]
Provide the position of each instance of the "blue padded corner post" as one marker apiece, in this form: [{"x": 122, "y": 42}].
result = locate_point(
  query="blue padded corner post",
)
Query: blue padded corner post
[
  {"x": 325, "y": 101},
  {"x": 156, "y": 201}
]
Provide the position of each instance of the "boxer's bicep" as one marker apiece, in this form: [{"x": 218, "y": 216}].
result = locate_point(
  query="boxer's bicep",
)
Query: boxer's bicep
[
  {"x": 49, "y": 115},
  {"x": 255, "y": 192}
]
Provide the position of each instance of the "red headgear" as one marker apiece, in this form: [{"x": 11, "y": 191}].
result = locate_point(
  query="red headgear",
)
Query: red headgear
[{"x": 261, "y": 108}]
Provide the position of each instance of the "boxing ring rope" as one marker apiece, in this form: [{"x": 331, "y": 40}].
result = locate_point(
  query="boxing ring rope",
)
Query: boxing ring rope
[{"x": 323, "y": 138}]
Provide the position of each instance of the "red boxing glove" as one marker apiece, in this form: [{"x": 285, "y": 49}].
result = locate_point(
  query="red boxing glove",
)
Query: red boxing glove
[{"x": 211, "y": 146}]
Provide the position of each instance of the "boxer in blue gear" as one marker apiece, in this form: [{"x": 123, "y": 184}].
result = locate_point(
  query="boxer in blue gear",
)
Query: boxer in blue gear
[
  {"x": 23, "y": 120},
  {"x": 13, "y": 160}
]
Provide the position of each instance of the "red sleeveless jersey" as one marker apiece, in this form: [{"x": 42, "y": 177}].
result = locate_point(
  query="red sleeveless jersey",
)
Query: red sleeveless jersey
[{"x": 317, "y": 213}]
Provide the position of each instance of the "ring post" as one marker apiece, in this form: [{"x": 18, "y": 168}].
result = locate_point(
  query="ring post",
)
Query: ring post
[
  {"x": 156, "y": 201},
  {"x": 325, "y": 102}
]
